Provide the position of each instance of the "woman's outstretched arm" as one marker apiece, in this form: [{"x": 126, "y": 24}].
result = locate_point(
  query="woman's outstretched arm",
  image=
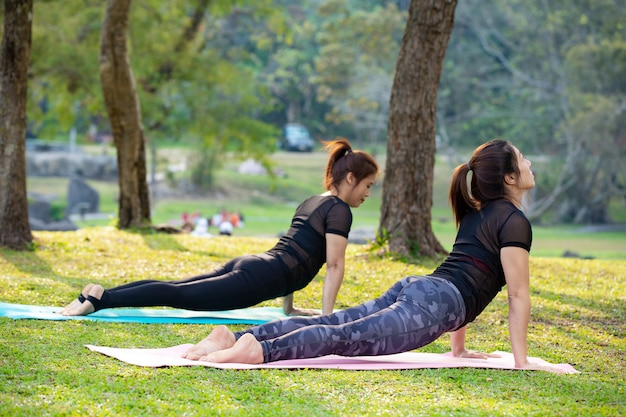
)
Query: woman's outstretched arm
[
  {"x": 457, "y": 345},
  {"x": 290, "y": 310},
  {"x": 516, "y": 271},
  {"x": 457, "y": 342},
  {"x": 335, "y": 265}
]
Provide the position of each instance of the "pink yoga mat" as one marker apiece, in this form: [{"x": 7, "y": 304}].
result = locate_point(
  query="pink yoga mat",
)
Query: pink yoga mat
[{"x": 171, "y": 356}]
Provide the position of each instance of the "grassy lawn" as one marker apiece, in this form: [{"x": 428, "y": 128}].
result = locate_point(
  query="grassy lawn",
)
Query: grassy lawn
[{"x": 579, "y": 310}]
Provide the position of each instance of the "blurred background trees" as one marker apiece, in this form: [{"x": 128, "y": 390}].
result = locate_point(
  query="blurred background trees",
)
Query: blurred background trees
[
  {"x": 546, "y": 77},
  {"x": 223, "y": 77}
]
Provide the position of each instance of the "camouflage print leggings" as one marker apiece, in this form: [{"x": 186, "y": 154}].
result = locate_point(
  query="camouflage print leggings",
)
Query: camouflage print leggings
[{"x": 412, "y": 313}]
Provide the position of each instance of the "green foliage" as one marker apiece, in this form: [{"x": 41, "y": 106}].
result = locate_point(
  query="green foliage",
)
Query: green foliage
[
  {"x": 201, "y": 94},
  {"x": 188, "y": 86},
  {"x": 598, "y": 67},
  {"x": 546, "y": 76},
  {"x": 355, "y": 64},
  {"x": 64, "y": 74},
  {"x": 382, "y": 239},
  {"x": 597, "y": 124},
  {"x": 57, "y": 210},
  {"x": 577, "y": 318}
]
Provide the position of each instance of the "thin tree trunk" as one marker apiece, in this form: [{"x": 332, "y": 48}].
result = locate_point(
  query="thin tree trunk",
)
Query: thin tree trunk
[
  {"x": 122, "y": 104},
  {"x": 14, "y": 56},
  {"x": 408, "y": 182}
]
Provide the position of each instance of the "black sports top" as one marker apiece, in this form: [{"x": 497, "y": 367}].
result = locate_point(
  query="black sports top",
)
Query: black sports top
[
  {"x": 474, "y": 265},
  {"x": 303, "y": 248}
]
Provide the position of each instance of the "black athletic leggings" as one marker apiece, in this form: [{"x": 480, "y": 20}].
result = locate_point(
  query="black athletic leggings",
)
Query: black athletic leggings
[
  {"x": 242, "y": 282},
  {"x": 412, "y": 313}
]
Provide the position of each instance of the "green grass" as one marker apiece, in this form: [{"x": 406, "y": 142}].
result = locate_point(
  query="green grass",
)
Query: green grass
[{"x": 579, "y": 310}]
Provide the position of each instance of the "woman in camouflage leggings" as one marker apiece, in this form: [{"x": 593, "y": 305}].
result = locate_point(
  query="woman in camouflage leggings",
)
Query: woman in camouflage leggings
[
  {"x": 491, "y": 250},
  {"x": 411, "y": 314}
]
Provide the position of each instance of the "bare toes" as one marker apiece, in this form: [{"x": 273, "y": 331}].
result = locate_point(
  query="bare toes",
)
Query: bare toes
[
  {"x": 87, "y": 307},
  {"x": 220, "y": 338},
  {"x": 77, "y": 301},
  {"x": 246, "y": 350}
]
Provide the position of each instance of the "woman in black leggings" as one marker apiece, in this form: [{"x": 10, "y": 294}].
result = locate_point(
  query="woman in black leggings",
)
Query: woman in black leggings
[
  {"x": 491, "y": 250},
  {"x": 318, "y": 234}
]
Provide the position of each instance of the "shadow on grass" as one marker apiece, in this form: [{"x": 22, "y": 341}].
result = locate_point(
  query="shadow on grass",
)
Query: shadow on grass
[
  {"x": 42, "y": 284},
  {"x": 601, "y": 315},
  {"x": 28, "y": 262},
  {"x": 164, "y": 241}
]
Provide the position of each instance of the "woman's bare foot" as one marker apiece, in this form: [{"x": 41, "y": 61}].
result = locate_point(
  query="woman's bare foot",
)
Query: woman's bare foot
[
  {"x": 86, "y": 307},
  {"x": 220, "y": 338},
  {"x": 246, "y": 350},
  {"x": 76, "y": 302}
]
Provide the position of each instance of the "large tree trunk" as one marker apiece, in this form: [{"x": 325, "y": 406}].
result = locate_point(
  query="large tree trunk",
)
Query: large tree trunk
[
  {"x": 408, "y": 182},
  {"x": 122, "y": 103},
  {"x": 14, "y": 56}
]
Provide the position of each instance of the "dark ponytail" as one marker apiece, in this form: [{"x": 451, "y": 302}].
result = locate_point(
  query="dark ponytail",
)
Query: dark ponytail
[{"x": 488, "y": 165}]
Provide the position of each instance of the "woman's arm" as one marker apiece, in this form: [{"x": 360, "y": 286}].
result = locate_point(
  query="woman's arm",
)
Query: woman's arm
[
  {"x": 288, "y": 304},
  {"x": 457, "y": 346},
  {"x": 457, "y": 342},
  {"x": 516, "y": 272},
  {"x": 335, "y": 264},
  {"x": 290, "y": 310}
]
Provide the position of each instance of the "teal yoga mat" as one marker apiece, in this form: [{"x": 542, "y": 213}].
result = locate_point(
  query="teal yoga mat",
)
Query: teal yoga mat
[{"x": 253, "y": 315}]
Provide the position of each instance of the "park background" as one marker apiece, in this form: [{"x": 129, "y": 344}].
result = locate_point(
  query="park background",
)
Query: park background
[
  {"x": 548, "y": 77},
  {"x": 268, "y": 203},
  {"x": 578, "y": 315},
  {"x": 220, "y": 81}
]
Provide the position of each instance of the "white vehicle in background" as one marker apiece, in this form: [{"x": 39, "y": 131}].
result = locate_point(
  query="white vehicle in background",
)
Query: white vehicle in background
[{"x": 296, "y": 138}]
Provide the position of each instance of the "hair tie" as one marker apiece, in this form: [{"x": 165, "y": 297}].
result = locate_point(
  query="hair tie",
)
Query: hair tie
[
  {"x": 469, "y": 167},
  {"x": 348, "y": 151}
]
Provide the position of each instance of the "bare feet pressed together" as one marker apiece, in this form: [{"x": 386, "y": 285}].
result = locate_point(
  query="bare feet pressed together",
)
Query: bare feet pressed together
[
  {"x": 79, "y": 300},
  {"x": 220, "y": 338},
  {"x": 245, "y": 350},
  {"x": 82, "y": 308},
  {"x": 220, "y": 346}
]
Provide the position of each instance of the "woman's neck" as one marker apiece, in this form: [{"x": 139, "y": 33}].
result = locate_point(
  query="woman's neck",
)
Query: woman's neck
[{"x": 515, "y": 198}]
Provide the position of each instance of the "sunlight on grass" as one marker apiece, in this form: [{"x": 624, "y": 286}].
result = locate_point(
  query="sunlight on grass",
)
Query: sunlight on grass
[{"x": 578, "y": 316}]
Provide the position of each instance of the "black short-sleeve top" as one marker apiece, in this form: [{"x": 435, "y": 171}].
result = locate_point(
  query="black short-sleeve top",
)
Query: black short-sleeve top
[
  {"x": 474, "y": 264},
  {"x": 303, "y": 248}
]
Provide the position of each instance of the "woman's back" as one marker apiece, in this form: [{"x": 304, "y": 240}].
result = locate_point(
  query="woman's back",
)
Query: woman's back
[{"x": 474, "y": 264}]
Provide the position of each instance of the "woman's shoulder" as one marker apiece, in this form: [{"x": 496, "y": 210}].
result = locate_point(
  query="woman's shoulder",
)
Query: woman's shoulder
[
  {"x": 333, "y": 206},
  {"x": 504, "y": 212},
  {"x": 503, "y": 206},
  {"x": 509, "y": 216},
  {"x": 323, "y": 201},
  {"x": 326, "y": 197},
  {"x": 336, "y": 201}
]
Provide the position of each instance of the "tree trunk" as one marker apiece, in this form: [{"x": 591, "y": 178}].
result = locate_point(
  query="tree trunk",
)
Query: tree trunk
[
  {"x": 14, "y": 56},
  {"x": 409, "y": 170},
  {"x": 122, "y": 104}
]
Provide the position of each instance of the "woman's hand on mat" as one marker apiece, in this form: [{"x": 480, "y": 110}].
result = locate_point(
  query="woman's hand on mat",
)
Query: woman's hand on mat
[
  {"x": 474, "y": 354},
  {"x": 304, "y": 312},
  {"x": 290, "y": 310}
]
